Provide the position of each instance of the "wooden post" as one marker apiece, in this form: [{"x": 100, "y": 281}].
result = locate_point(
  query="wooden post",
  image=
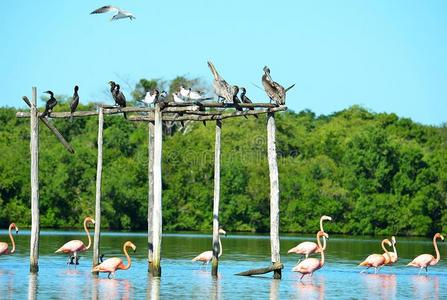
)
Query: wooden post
[
  {"x": 150, "y": 201},
  {"x": 157, "y": 217},
  {"x": 215, "y": 263},
  {"x": 274, "y": 192},
  {"x": 35, "y": 226},
  {"x": 98, "y": 189}
]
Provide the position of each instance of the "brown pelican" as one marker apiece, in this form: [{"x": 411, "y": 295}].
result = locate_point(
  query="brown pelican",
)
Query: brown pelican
[
  {"x": 74, "y": 103},
  {"x": 274, "y": 90},
  {"x": 119, "y": 13},
  {"x": 51, "y": 103},
  {"x": 222, "y": 89}
]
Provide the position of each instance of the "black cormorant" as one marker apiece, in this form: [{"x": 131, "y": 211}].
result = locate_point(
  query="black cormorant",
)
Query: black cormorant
[
  {"x": 51, "y": 103},
  {"x": 119, "y": 98},
  {"x": 247, "y": 100},
  {"x": 74, "y": 102}
]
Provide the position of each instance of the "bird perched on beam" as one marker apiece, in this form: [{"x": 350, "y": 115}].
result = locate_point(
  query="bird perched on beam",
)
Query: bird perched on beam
[
  {"x": 51, "y": 103},
  {"x": 119, "y": 13},
  {"x": 274, "y": 90},
  {"x": 117, "y": 95},
  {"x": 247, "y": 100},
  {"x": 74, "y": 103},
  {"x": 222, "y": 89}
]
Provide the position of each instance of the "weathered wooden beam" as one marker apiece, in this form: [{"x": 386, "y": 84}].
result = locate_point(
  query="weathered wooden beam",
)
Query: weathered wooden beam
[
  {"x": 274, "y": 192},
  {"x": 168, "y": 107},
  {"x": 212, "y": 116},
  {"x": 216, "y": 248},
  {"x": 150, "y": 201},
  {"x": 52, "y": 128},
  {"x": 157, "y": 215},
  {"x": 277, "y": 266},
  {"x": 35, "y": 215},
  {"x": 96, "y": 237}
]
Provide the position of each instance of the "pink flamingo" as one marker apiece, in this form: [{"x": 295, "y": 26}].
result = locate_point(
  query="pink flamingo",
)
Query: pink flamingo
[
  {"x": 306, "y": 248},
  {"x": 310, "y": 265},
  {"x": 425, "y": 260},
  {"x": 377, "y": 260},
  {"x": 4, "y": 246},
  {"x": 112, "y": 264},
  {"x": 207, "y": 256},
  {"x": 391, "y": 258},
  {"x": 73, "y": 247}
]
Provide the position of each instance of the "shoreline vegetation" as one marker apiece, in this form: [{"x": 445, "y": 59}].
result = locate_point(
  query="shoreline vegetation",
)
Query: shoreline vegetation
[{"x": 374, "y": 173}]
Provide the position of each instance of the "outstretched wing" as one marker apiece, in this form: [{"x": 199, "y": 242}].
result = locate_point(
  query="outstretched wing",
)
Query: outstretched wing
[{"x": 105, "y": 9}]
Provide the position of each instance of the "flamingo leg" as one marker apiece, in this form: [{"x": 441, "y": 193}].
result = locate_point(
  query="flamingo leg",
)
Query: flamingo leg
[
  {"x": 365, "y": 270},
  {"x": 426, "y": 270},
  {"x": 419, "y": 273},
  {"x": 77, "y": 260},
  {"x": 108, "y": 276},
  {"x": 302, "y": 277},
  {"x": 70, "y": 260}
]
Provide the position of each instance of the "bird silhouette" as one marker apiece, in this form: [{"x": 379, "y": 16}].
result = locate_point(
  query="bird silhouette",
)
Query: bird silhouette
[{"x": 51, "y": 103}]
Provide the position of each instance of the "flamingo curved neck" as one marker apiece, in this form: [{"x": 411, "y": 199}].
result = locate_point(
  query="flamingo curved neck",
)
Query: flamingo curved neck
[
  {"x": 322, "y": 249},
  {"x": 220, "y": 247},
  {"x": 394, "y": 249},
  {"x": 12, "y": 240},
  {"x": 129, "y": 262},
  {"x": 438, "y": 256},
  {"x": 88, "y": 235},
  {"x": 386, "y": 251}
]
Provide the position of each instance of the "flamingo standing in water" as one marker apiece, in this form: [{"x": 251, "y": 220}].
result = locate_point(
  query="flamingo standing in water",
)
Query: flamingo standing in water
[
  {"x": 424, "y": 260},
  {"x": 391, "y": 258},
  {"x": 306, "y": 248},
  {"x": 4, "y": 246},
  {"x": 112, "y": 264},
  {"x": 207, "y": 256},
  {"x": 310, "y": 265},
  {"x": 377, "y": 260},
  {"x": 73, "y": 247}
]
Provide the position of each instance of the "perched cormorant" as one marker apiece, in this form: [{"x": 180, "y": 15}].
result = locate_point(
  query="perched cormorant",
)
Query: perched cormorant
[
  {"x": 112, "y": 91},
  {"x": 74, "y": 103},
  {"x": 51, "y": 103},
  {"x": 245, "y": 99},
  {"x": 274, "y": 90},
  {"x": 119, "y": 98},
  {"x": 222, "y": 89},
  {"x": 119, "y": 13}
]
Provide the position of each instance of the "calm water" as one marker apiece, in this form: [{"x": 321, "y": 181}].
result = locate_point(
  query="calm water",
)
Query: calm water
[{"x": 181, "y": 278}]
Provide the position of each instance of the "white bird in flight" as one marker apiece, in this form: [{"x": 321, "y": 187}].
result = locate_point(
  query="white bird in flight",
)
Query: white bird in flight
[{"x": 119, "y": 13}]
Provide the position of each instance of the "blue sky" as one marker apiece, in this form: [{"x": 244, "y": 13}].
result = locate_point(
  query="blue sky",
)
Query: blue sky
[{"x": 388, "y": 56}]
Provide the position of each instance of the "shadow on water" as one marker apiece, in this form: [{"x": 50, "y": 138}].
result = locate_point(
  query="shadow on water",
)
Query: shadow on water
[{"x": 32, "y": 286}]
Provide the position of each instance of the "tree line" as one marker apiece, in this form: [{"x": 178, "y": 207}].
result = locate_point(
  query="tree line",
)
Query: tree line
[{"x": 374, "y": 173}]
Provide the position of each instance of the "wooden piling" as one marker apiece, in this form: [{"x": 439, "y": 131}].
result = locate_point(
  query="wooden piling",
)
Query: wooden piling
[
  {"x": 157, "y": 217},
  {"x": 98, "y": 189},
  {"x": 274, "y": 192},
  {"x": 150, "y": 201},
  {"x": 215, "y": 262},
  {"x": 34, "y": 147}
]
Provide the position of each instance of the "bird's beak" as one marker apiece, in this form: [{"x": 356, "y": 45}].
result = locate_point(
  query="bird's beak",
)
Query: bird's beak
[{"x": 17, "y": 231}]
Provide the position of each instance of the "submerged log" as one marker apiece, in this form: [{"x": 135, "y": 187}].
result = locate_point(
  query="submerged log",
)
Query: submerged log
[{"x": 277, "y": 266}]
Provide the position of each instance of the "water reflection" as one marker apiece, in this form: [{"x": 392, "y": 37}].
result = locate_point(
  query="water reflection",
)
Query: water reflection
[
  {"x": 274, "y": 289},
  {"x": 425, "y": 287},
  {"x": 104, "y": 288},
  {"x": 32, "y": 286},
  {"x": 215, "y": 291},
  {"x": 382, "y": 286},
  {"x": 314, "y": 289},
  {"x": 153, "y": 287}
]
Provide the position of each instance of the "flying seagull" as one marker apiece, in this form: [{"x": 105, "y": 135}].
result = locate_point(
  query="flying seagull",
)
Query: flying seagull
[
  {"x": 51, "y": 103},
  {"x": 119, "y": 13},
  {"x": 74, "y": 103}
]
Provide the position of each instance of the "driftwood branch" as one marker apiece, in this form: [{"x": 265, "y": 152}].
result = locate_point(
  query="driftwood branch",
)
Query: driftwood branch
[
  {"x": 52, "y": 128},
  {"x": 274, "y": 267}
]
